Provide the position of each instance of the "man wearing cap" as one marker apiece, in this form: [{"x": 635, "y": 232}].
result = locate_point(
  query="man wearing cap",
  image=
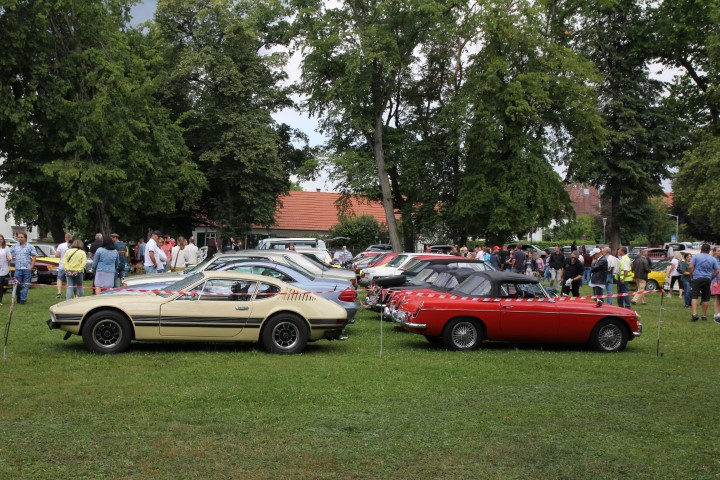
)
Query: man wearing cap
[
  {"x": 598, "y": 274},
  {"x": 153, "y": 253},
  {"x": 122, "y": 252}
]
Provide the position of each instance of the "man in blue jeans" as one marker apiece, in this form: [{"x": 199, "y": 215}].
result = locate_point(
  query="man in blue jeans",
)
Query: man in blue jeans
[
  {"x": 703, "y": 268},
  {"x": 24, "y": 255}
]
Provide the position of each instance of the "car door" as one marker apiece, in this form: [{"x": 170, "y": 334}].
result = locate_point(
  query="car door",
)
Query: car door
[
  {"x": 216, "y": 308},
  {"x": 526, "y": 315}
]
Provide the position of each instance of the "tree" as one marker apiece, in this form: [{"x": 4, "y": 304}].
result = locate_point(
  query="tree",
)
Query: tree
[
  {"x": 86, "y": 142},
  {"x": 531, "y": 105},
  {"x": 356, "y": 58},
  {"x": 687, "y": 37},
  {"x": 223, "y": 90},
  {"x": 362, "y": 231},
  {"x": 642, "y": 134}
]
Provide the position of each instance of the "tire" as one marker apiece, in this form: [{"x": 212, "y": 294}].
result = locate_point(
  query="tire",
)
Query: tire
[
  {"x": 285, "y": 333},
  {"x": 609, "y": 336},
  {"x": 651, "y": 285},
  {"x": 463, "y": 334},
  {"x": 107, "y": 332}
]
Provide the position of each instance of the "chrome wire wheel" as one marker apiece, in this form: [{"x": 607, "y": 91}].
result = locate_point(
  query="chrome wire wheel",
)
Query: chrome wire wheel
[
  {"x": 285, "y": 335},
  {"x": 610, "y": 337},
  {"x": 463, "y": 334}
]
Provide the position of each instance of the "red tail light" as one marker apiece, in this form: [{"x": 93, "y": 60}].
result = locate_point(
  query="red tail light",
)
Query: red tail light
[{"x": 347, "y": 295}]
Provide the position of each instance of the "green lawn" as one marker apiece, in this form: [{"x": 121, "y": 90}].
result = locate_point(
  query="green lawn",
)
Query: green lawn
[{"x": 342, "y": 410}]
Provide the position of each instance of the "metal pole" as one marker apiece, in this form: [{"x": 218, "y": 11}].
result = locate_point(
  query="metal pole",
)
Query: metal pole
[{"x": 7, "y": 326}]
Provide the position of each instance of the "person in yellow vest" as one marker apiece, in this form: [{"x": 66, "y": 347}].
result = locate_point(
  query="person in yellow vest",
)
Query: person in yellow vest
[{"x": 624, "y": 277}]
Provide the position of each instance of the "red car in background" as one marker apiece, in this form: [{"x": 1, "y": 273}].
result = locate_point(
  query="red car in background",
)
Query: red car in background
[{"x": 509, "y": 307}]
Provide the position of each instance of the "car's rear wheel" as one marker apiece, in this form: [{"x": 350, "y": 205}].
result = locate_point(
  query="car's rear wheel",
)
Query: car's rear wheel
[
  {"x": 107, "y": 332},
  {"x": 651, "y": 285},
  {"x": 463, "y": 334},
  {"x": 608, "y": 336},
  {"x": 285, "y": 333}
]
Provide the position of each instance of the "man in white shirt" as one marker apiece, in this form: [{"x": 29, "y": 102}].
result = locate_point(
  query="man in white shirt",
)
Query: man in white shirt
[
  {"x": 153, "y": 254},
  {"x": 613, "y": 271},
  {"x": 60, "y": 253},
  {"x": 192, "y": 252}
]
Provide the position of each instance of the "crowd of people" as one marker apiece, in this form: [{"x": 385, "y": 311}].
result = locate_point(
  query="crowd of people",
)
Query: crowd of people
[{"x": 601, "y": 269}]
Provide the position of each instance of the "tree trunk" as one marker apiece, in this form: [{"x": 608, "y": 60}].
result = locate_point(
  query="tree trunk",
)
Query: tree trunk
[
  {"x": 614, "y": 239},
  {"x": 379, "y": 154},
  {"x": 102, "y": 220}
]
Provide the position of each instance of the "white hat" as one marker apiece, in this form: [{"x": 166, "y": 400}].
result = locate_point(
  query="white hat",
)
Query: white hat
[{"x": 594, "y": 251}]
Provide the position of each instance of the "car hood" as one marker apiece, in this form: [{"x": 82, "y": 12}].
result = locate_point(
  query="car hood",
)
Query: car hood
[{"x": 153, "y": 278}]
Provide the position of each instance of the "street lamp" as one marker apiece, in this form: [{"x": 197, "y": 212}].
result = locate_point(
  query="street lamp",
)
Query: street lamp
[
  {"x": 604, "y": 223},
  {"x": 677, "y": 225}
]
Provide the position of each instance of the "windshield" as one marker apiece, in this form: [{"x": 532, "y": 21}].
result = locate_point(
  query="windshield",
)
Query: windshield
[
  {"x": 302, "y": 262},
  {"x": 182, "y": 284},
  {"x": 396, "y": 261},
  {"x": 312, "y": 260},
  {"x": 199, "y": 267}
]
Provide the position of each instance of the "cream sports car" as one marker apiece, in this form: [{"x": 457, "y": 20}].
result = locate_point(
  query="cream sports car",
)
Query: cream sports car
[{"x": 206, "y": 306}]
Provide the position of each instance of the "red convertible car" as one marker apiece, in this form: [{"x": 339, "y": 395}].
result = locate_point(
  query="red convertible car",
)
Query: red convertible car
[{"x": 510, "y": 307}]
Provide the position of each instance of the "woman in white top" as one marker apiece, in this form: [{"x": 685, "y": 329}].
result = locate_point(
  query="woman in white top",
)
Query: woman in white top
[
  {"x": 160, "y": 256},
  {"x": 4, "y": 266},
  {"x": 179, "y": 255},
  {"x": 672, "y": 275}
]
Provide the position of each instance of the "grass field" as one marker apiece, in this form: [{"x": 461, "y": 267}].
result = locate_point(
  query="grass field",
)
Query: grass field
[{"x": 343, "y": 410}]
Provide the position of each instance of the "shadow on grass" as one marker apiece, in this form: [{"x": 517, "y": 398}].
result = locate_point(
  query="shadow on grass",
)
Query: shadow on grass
[{"x": 75, "y": 345}]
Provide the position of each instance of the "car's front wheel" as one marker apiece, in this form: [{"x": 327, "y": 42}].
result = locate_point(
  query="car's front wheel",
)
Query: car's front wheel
[
  {"x": 285, "y": 333},
  {"x": 608, "y": 336},
  {"x": 651, "y": 285},
  {"x": 107, "y": 332},
  {"x": 463, "y": 334}
]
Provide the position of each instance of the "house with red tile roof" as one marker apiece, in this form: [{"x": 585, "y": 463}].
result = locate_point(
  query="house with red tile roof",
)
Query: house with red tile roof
[{"x": 303, "y": 214}]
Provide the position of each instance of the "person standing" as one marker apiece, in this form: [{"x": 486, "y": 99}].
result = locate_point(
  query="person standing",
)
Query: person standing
[
  {"x": 179, "y": 255},
  {"x": 105, "y": 265},
  {"x": 715, "y": 288},
  {"x": 672, "y": 274},
  {"x": 684, "y": 269},
  {"x": 123, "y": 259},
  {"x": 641, "y": 268},
  {"x": 572, "y": 274},
  {"x": 703, "y": 269},
  {"x": 587, "y": 260},
  {"x": 162, "y": 258},
  {"x": 192, "y": 252},
  {"x": 139, "y": 256},
  {"x": 598, "y": 274},
  {"x": 75, "y": 260},
  {"x": 530, "y": 267},
  {"x": 504, "y": 254},
  {"x": 166, "y": 246},
  {"x": 518, "y": 259},
  {"x": 60, "y": 253},
  {"x": 624, "y": 277},
  {"x": 24, "y": 255},
  {"x": 96, "y": 244},
  {"x": 152, "y": 254},
  {"x": 613, "y": 271},
  {"x": 556, "y": 263},
  {"x": 345, "y": 257},
  {"x": 4, "y": 266}
]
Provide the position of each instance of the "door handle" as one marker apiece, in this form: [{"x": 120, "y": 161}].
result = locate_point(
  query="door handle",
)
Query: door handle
[
  {"x": 507, "y": 306},
  {"x": 242, "y": 308}
]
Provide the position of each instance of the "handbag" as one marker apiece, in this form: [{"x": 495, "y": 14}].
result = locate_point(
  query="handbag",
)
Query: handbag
[{"x": 72, "y": 273}]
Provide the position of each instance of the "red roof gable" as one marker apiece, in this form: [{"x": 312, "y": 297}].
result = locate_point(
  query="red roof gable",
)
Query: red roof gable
[{"x": 319, "y": 212}]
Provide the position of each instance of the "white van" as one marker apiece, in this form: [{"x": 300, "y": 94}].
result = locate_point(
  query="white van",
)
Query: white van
[{"x": 284, "y": 243}]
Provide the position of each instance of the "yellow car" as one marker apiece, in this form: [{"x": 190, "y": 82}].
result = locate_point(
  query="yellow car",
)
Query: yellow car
[
  {"x": 656, "y": 277},
  {"x": 207, "y": 306}
]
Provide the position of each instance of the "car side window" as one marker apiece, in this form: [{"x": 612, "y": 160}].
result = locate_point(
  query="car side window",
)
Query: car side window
[
  {"x": 509, "y": 290},
  {"x": 264, "y": 291}
]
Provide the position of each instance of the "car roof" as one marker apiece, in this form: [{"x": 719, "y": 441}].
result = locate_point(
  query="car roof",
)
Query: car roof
[{"x": 498, "y": 276}]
